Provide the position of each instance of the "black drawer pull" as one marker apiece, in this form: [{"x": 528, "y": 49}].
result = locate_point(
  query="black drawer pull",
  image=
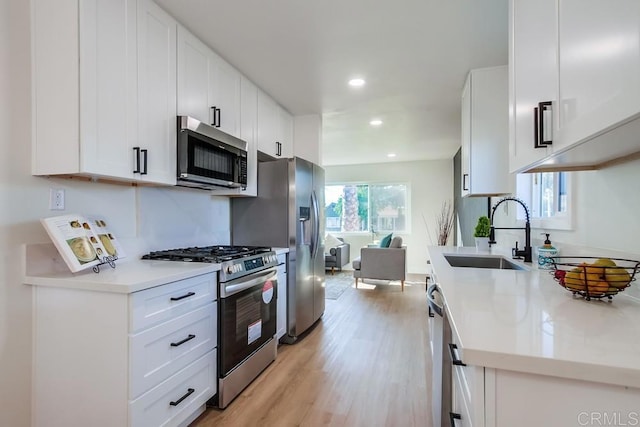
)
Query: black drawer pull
[
  {"x": 453, "y": 417},
  {"x": 454, "y": 358},
  {"x": 179, "y": 343},
  {"x": 136, "y": 151},
  {"x": 145, "y": 161},
  {"x": 179, "y": 401},
  {"x": 190, "y": 294}
]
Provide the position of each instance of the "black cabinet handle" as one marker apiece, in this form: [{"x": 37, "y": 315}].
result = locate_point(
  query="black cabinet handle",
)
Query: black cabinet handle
[
  {"x": 190, "y": 294},
  {"x": 430, "y": 312},
  {"x": 136, "y": 150},
  {"x": 454, "y": 359},
  {"x": 179, "y": 401},
  {"x": 538, "y": 125},
  {"x": 213, "y": 115},
  {"x": 465, "y": 185},
  {"x": 219, "y": 117},
  {"x": 145, "y": 160},
  {"x": 453, "y": 417},
  {"x": 179, "y": 343}
]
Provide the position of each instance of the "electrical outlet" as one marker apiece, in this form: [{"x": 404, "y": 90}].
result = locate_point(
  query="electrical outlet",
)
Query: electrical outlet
[{"x": 56, "y": 199}]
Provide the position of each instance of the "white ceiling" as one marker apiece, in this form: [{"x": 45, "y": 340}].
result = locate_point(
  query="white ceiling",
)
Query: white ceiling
[{"x": 414, "y": 55}]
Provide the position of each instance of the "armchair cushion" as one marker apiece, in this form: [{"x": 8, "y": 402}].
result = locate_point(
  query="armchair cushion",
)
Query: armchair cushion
[{"x": 386, "y": 240}]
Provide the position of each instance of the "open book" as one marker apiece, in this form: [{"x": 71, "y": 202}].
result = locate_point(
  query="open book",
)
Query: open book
[{"x": 82, "y": 240}]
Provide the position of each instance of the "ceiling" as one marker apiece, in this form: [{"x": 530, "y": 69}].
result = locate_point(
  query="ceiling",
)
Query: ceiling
[{"x": 413, "y": 54}]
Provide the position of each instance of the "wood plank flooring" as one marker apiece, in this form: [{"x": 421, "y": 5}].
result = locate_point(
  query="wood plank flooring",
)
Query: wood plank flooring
[{"x": 366, "y": 363}]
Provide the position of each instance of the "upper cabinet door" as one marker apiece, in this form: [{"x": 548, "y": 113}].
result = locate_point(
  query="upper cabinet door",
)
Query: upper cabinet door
[
  {"x": 193, "y": 77},
  {"x": 224, "y": 95},
  {"x": 157, "y": 93},
  {"x": 533, "y": 76},
  {"x": 268, "y": 122},
  {"x": 485, "y": 169},
  {"x": 108, "y": 101},
  {"x": 286, "y": 133},
  {"x": 599, "y": 64},
  {"x": 208, "y": 87}
]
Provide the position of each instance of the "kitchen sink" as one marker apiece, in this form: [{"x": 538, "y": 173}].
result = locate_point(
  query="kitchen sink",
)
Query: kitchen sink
[{"x": 472, "y": 261}]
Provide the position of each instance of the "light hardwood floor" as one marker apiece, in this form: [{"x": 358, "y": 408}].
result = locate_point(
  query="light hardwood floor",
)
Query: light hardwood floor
[{"x": 366, "y": 363}]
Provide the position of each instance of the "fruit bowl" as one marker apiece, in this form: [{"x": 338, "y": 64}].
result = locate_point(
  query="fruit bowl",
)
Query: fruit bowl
[{"x": 592, "y": 277}]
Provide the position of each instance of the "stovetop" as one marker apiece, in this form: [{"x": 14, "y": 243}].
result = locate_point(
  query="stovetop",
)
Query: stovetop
[{"x": 214, "y": 254}]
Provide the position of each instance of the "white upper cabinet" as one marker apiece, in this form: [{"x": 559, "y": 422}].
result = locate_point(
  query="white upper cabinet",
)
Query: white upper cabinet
[
  {"x": 485, "y": 169},
  {"x": 533, "y": 79},
  {"x": 588, "y": 52},
  {"x": 103, "y": 90},
  {"x": 156, "y": 94},
  {"x": 208, "y": 87},
  {"x": 275, "y": 128},
  {"x": 286, "y": 133},
  {"x": 248, "y": 133}
]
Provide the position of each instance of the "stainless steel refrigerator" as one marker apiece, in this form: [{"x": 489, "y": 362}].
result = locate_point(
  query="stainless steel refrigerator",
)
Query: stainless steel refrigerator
[{"x": 289, "y": 212}]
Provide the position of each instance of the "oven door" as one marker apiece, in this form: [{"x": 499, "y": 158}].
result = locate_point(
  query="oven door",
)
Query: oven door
[{"x": 247, "y": 315}]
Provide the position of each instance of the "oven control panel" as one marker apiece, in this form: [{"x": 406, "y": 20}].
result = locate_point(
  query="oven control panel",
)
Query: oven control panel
[{"x": 243, "y": 266}]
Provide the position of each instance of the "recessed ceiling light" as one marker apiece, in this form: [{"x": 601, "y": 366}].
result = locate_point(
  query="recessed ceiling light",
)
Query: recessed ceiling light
[
  {"x": 375, "y": 122},
  {"x": 391, "y": 155},
  {"x": 356, "y": 82}
]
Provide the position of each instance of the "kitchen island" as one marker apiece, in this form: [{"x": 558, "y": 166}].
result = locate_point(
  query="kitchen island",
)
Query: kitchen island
[{"x": 532, "y": 349}]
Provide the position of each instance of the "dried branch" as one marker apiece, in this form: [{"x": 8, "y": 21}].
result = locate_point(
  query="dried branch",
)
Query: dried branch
[{"x": 444, "y": 222}]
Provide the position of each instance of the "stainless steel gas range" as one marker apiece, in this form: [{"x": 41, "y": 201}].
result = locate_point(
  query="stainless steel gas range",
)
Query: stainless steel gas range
[{"x": 247, "y": 290}]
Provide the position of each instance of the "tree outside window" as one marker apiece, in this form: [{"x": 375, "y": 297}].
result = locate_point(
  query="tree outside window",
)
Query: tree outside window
[{"x": 366, "y": 207}]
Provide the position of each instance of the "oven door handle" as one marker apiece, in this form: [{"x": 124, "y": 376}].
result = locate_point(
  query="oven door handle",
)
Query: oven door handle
[{"x": 240, "y": 285}]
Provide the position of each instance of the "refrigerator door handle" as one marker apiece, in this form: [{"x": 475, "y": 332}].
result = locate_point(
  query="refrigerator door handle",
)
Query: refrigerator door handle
[{"x": 316, "y": 224}]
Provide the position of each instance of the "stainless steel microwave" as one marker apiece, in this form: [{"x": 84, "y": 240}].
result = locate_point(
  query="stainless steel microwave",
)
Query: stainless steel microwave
[{"x": 208, "y": 157}]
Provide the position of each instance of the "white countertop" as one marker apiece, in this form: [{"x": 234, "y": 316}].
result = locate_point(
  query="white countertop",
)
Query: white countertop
[
  {"x": 525, "y": 321},
  {"x": 44, "y": 267}
]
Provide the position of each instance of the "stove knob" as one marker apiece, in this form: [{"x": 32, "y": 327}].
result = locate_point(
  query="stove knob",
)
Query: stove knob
[{"x": 230, "y": 269}]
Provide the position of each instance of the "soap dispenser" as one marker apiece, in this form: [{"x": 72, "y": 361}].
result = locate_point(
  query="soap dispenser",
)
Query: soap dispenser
[{"x": 544, "y": 252}]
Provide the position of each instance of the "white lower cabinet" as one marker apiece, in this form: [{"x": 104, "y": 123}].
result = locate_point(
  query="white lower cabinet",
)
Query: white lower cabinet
[
  {"x": 142, "y": 359},
  {"x": 281, "y": 319},
  {"x": 488, "y": 397}
]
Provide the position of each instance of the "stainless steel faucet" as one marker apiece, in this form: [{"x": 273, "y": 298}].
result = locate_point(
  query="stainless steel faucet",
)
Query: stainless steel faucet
[{"x": 517, "y": 253}]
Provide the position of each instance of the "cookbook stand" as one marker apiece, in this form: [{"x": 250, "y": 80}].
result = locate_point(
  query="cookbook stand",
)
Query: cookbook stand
[{"x": 107, "y": 260}]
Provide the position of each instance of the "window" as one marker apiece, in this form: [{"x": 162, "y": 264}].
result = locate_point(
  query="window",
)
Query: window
[
  {"x": 366, "y": 207},
  {"x": 547, "y": 194}
]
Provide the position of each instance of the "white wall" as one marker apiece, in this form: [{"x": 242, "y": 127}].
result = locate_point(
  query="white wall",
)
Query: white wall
[
  {"x": 431, "y": 183},
  {"x": 607, "y": 203},
  {"x": 142, "y": 217}
]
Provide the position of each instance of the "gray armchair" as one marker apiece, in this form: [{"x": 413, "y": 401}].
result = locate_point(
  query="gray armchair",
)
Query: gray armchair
[
  {"x": 382, "y": 263},
  {"x": 337, "y": 257}
]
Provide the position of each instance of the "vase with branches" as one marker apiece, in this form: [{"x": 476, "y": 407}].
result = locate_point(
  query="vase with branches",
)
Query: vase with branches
[{"x": 444, "y": 223}]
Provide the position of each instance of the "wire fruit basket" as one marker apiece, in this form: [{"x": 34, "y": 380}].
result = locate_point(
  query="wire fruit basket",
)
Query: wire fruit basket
[{"x": 592, "y": 277}]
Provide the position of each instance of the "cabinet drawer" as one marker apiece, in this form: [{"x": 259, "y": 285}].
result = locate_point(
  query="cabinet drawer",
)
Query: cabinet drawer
[
  {"x": 173, "y": 401},
  {"x": 460, "y": 404},
  {"x": 159, "y": 304},
  {"x": 159, "y": 352}
]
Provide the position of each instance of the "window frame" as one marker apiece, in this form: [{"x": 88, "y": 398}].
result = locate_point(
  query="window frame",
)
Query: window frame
[
  {"x": 407, "y": 208},
  {"x": 558, "y": 221}
]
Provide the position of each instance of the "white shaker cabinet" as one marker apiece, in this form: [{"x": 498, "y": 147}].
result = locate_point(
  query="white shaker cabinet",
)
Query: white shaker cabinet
[
  {"x": 485, "y": 169},
  {"x": 581, "y": 59},
  {"x": 533, "y": 59},
  {"x": 275, "y": 128},
  {"x": 157, "y": 128},
  {"x": 208, "y": 87},
  {"x": 147, "y": 358},
  {"x": 248, "y": 133},
  {"x": 103, "y": 90}
]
